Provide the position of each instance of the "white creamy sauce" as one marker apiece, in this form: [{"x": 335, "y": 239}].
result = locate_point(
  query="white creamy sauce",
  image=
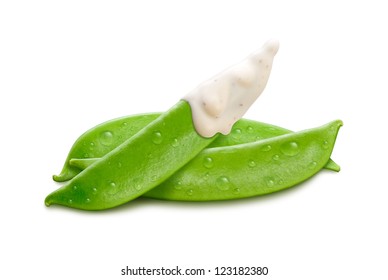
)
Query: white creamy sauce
[{"x": 219, "y": 102}]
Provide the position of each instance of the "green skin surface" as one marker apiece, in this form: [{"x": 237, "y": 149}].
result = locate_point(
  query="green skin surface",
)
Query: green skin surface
[
  {"x": 95, "y": 143},
  {"x": 251, "y": 169},
  {"x": 150, "y": 157}
]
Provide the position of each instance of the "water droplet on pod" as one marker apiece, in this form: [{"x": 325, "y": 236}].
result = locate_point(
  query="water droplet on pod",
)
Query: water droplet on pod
[
  {"x": 312, "y": 165},
  {"x": 106, "y": 138},
  {"x": 236, "y": 132},
  {"x": 251, "y": 163},
  {"x": 178, "y": 185},
  {"x": 250, "y": 129},
  {"x": 276, "y": 157},
  {"x": 223, "y": 183},
  {"x": 157, "y": 137},
  {"x": 266, "y": 148},
  {"x": 175, "y": 143},
  {"x": 189, "y": 192},
  {"x": 113, "y": 189},
  {"x": 208, "y": 162},
  {"x": 325, "y": 144},
  {"x": 290, "y": 148},
  {"x": 270, "y": 182}
]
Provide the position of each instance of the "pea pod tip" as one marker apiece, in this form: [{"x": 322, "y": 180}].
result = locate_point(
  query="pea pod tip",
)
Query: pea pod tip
[
  {"x": 47, "y": 202},
  {"x": 57, "y": 178}
]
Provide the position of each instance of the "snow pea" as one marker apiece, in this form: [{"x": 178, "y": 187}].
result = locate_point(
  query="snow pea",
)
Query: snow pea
[
  {"x": 101, "y": 139},
  {"x": 150, "y": 157},
  {"x": 251, "y": 169}
]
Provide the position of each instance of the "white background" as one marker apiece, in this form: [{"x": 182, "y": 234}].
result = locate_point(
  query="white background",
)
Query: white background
[{"x": 66, "y": 66}]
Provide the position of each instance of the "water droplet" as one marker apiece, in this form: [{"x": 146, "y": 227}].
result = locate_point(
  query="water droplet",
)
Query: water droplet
[
  {"x": 208, "y": 162},
  {"x": 266, "y": 148},
  {"x": 206, "y": 176},
  {"x": 154, "y": 178},
  {"x": 271, "y": 129},
  {"x": 276, "y": 157},
  {"x": 175, "y": 143},
  {"x": 88, "y": 200},
  {"x": 251, "y": 163},
  {"x": 94, "y": 190},
  {"x": 236, "y": 132},
  {"x": 223, "y": 183},
  {"x": 178, "y": 185},
  {"x": 325, "y": 144},
  {"x": 106, "y": 138},
  {"x": 236, "y": 191},
  {"x": 312, "y": 165},
  {"x": 91, "y": 146},
  {"x": 189, "y": 192},
  {"x": 157, "y": 137},
  {"x": 75, "y": 188},
  {"x": 70, "y": 201},
  {"x": 113, "y": 189},
  {"x": 290, "y": 149},
  {"x": 138, "y": 187},
  {"x": 250, "y": 129},
  {"x": 124, "y": 124},
  {"x": 270, "y": 182}
]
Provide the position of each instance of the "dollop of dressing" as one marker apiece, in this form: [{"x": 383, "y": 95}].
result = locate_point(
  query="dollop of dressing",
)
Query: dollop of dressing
[{"x": 218, "y": 103}]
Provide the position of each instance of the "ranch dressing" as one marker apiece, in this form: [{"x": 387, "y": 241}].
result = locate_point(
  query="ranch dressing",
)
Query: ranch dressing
[{"x": 218, "y": 103}]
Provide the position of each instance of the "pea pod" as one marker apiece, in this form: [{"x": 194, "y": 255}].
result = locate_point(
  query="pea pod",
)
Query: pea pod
[
  {"x": 150, "y": 157},
  {"x": 251, "y": 169},
  {"x": 103, "y": 138}
]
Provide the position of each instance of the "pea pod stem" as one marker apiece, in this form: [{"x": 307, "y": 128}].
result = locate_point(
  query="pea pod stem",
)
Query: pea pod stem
[{"x": 150, "y": 157}]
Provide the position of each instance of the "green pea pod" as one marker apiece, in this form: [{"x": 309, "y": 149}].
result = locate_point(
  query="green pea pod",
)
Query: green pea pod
[
  {"x": 139, "y": 164},
  {"x": 251, "y": 169},
  {"x": 103, "y": 138}
]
